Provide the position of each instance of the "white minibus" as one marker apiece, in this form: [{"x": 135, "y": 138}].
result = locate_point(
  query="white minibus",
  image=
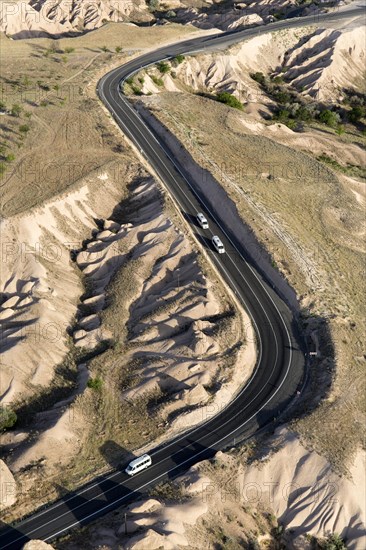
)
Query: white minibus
[{"x": 138, "y": 464}]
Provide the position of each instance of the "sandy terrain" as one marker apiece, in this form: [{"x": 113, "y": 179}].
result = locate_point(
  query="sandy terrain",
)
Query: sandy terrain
[{"x": 251, "y": 493}]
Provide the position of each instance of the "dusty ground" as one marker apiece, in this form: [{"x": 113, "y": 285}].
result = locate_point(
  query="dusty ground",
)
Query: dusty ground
[{"x": 59, "y": 109}]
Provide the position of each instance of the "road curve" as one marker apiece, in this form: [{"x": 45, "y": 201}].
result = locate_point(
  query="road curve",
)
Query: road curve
[{"x": 280, "y": 365}]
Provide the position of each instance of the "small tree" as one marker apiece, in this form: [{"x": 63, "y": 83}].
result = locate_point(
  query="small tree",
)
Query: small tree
[
  {"x": 330, "y": 118},
  {"x": 16, "y": 110},
  {"x": 7, "y": 418},
  {"x": 357, "y": 112}
]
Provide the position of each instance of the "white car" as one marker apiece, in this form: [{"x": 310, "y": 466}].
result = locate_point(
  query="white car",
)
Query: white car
[
  {"x": 216, "y": 241},
  {"x": 202, "y": 220},
  {"x": 138, "y": 464}
]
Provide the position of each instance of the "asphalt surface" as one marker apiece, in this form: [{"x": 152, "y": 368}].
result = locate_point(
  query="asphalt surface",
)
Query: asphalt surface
[{"x": 279, "y": 371}]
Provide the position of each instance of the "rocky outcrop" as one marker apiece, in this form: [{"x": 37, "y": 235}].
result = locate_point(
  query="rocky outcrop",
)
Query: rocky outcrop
[
  {"x": 8, "y": 492},
  {"x": 56, "y": 18},
  {"x": 37, "y": 545}
]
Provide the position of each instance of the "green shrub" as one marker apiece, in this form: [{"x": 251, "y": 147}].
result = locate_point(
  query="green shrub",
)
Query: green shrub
[
  {"x": 24, "y": 128},
  {"x": 163, "y": 67},
  {"x": 229, "y": 99},
  {"x": 118, "y": 49},
  {"x": 95, "y": 383},
  {"x": 179, "y": 59},
  {"x": 69, "y": 50},
  {"x": 153, "y": 5},
  {"x": 7, "y": 418},
  {"x": 258, "y": 77}
]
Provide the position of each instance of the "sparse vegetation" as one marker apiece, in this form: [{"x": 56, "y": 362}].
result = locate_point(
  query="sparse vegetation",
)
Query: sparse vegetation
[
  {"x": 158, "y": 81},
  {"x": 293, "y": 109},
  {"x": 332, "y": 542},
  {"x": 169, "y": 492},
  {"x": 349, "y": 169}
]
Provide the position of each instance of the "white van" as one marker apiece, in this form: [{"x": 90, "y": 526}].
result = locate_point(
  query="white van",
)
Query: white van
[
  {"x": 138, "y": 464},
  {"x": 202, "y": 220},
  {"x": 216, "y": 241}
]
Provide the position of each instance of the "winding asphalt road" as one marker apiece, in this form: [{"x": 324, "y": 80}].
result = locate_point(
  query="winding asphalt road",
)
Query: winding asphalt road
[{"x": 279, "y": 370}]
